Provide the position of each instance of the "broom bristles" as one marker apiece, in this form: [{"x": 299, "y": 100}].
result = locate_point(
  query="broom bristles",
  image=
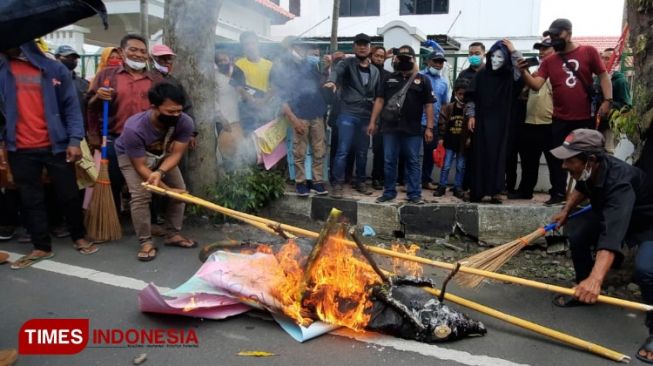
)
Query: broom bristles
[
  {"x": 493, "y": 259},
  {"x": 101, "y": 219}
]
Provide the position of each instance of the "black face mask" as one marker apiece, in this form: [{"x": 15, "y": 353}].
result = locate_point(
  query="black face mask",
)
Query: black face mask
[
  {"x": 558, "y": 44},
  {"x": 168, "y": 120},
  {"x": 361, "y": 58},
  {"x": 70, "y": 64},
  {"x": 404, "y": 65}
]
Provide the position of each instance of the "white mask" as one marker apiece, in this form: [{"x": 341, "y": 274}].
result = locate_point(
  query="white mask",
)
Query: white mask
[
  {"x": 497, "y": 59},
  {"x": 161, "y": 68},
  {"x": 136, "y": 65},
  {"x": 435, "y": 71},
  {"x": 586, "y": 174}
]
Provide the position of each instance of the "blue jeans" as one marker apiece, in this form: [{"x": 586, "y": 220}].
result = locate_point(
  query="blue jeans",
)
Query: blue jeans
[
  {"x": 460, "y": 168},
  {"x": 409, "y": 147},
  {"x": 352, "y": 132}
]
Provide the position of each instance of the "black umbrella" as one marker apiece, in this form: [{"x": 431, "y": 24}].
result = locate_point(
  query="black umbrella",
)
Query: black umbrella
[{"x": 24, "y": 20}]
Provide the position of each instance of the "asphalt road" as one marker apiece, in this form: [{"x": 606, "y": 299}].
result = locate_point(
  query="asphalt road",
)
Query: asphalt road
[{"x": 55, "y": 292}]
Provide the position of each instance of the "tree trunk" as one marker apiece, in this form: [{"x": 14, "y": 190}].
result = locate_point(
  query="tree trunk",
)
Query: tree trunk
[
  {"x": 640, "y": 20},
  {"x": 189, "y": 29}
]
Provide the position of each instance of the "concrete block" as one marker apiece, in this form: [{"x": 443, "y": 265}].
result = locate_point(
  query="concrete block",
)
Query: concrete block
[
  {"x": 321, "y": 207},
  {"x": 499, "y": 224},
  {"x": 467, "y": 219},
  {"x": 430, "y": 220},
  {"x": 290, "y": 208},
  {"x": 384, "y": 219}
]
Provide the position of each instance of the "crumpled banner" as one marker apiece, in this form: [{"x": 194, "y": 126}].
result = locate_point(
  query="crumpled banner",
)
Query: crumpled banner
[
  {"x": 228, "y": 284},
  {"x": 271, "y": 134}
]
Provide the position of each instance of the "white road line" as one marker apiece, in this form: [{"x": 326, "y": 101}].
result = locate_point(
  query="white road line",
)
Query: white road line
[{"x": 441, "y": 353}]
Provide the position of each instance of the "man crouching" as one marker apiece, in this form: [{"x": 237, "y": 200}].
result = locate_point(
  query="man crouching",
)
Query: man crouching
[{"x": 149, "y": 149}]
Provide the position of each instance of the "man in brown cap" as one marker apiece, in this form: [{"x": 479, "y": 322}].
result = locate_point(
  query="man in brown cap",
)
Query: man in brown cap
[{"x": 622, "y": 212}]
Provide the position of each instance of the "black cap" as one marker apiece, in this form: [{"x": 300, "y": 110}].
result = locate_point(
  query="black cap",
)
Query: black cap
[
  {"x": 65, "y": 50},
  {"x": 558, "y": 26},
  {"x": 405, "y": 51},
  {"x": 362, "y": 38},
  {"x": 436, "y": 55},
  {"x": 545, "y": 43}
]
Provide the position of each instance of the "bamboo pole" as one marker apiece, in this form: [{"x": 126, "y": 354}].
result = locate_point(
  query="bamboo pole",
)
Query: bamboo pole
[
  {"x": 448, "y": 266},
  {"x": 525, "y": 324},
  {"x": 548, "y": 332}
]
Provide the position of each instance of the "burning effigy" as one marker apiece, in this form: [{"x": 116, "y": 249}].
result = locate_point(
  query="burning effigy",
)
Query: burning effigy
[{"x": 326, "y": 281}]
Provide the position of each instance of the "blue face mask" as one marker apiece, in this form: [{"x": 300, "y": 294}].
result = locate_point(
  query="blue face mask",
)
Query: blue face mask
[
  {"x": 434, "y": 71},
  {"x": 474, "y": 60}
]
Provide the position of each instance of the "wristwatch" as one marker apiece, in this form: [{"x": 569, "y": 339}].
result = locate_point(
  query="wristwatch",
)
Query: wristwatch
[
  {"x": 609, "y": 100},
  {"x": 163, "y": 174}
]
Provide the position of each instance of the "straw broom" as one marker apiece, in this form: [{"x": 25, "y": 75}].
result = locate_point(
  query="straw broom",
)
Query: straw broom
[
  {"x": 101, "y": 219},
  {"x": 493, "y": 259}
]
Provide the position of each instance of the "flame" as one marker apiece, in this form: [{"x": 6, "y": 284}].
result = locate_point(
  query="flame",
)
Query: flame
[
  {"x": 192, "y": 306},
  {"x": 403, "y": 267}
]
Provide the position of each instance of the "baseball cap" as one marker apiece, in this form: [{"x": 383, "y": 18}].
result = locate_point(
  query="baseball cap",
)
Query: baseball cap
[
  {"x": 546, "y": 42},
  {"x": 161, "y": 50},
  {"x": 436, "y": 55},
  {"x": 362, "y": 38},
  {"x": 65, "y": 50},
  {"x": 580, "y": 141},
  {"x": 558, "y": 26},
  {"x": 405, "y": 51}
]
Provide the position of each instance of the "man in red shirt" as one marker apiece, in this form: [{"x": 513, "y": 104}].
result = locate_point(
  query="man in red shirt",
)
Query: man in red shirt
[
  {"x": 570, "y": 72},
  {"x": 127, "y": 94}
]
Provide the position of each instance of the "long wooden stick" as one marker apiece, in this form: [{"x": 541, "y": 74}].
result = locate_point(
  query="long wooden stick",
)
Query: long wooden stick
[
  {"x": 548, "y": 332},
  {"x": 389, "y": 253}
]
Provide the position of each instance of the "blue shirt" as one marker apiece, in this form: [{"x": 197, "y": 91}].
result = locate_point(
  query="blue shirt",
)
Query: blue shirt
[{"x": 441, "y": 94}]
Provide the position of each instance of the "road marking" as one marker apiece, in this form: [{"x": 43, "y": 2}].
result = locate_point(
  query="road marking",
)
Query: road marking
[{"x": 441, "y": 353}]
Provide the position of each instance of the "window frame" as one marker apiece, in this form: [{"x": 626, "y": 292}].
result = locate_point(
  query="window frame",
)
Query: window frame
[
  {"x": 348, "y": 15},
  {"x": 401, "y": 7}
]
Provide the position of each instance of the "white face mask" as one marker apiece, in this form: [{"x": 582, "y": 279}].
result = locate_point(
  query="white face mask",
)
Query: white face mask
[
  {"x": 136, "y": 65},
  {"x": 586, "y": 174},
  {"x": 497, "y": 60},
  {"x": 435, "y": 71},
  {"x": 161, "y": 68}
]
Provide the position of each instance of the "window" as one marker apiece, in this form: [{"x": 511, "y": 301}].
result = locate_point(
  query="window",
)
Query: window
[
  {"x": 359, "y": 8},
  {"x": 275, "y": 2},
  {"x": 411, "y": 7},
  {"x": 295, "y": 7}
]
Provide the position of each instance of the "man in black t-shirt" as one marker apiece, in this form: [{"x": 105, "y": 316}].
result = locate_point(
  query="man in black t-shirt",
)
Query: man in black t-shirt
[{"x": 404, "y": 133}]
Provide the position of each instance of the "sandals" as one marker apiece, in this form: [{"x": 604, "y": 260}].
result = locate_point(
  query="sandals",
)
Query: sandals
[
  {"x": 27, "y": 260},
  {"x": 86, "y": 249},
  {"x": 648, "y": 347},
  {"x": 182, "y": 243},
  {"x": 147, "y": 252},
  {"x": 4, "y": 256},
  {"x": 566, "y": 301},
  {"x": 496, "y": 200}
]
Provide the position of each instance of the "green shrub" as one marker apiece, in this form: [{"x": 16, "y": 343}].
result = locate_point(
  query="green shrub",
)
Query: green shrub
[{"x": 248, "y": 190}]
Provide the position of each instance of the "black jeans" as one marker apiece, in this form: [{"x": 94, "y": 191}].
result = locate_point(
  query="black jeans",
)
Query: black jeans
[
  {"x": 584, "y": 231},
  {"x": 535, "y": 140},
  {"x": 378, "y": 159},
  {"x": 9, "y": 208},
  {"x": 559, "y": 130},
  {"x": 27, "y": 166}
]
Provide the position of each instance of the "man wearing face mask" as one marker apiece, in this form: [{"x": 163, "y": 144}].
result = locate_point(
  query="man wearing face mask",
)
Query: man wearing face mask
[
  {"x": 149, "y": 150},
  {"x": 70, "y": 58},
  {"x": 433, "y": 72},
  {"x": 622, "y": 211},
  {"x": 359, "y": 84},
  {"x": 127, "y": 95},
  {"x": 403, "y": 133},
  {"x": 570, "y": 71},
  {"x": 476, "y": 60}
]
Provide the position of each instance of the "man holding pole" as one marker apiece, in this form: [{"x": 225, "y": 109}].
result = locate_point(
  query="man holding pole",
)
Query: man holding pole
[{"x": 622, "y": 212}]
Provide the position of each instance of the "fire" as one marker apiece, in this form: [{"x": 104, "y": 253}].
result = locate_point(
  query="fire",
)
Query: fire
[{"x": 403, "y": 267}]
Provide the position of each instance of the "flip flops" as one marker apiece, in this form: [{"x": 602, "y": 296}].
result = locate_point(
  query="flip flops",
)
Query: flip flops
[
  {"x": 182, "y": 243},
  {"x": 28, "y": 260},
  {"x": 4, "y": 256},
  {"x": 86, "y": 249},
  {"x": 149, "y": 254},
  {"x": 648, "y": 347}
]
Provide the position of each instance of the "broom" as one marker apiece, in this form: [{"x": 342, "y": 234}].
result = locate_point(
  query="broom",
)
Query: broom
[
  {"x": 492, "y": 259},
  {"x": 101, "y": 218}
]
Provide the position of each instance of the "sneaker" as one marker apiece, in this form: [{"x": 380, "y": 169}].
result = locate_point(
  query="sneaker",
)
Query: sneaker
[
  {"x": 377, "y": 185},
  {"x": 429, "y": 185},
  {"x": 458, "y": 193},
  {"x": 382, "y": 199},
  {"x": 302, "y": 190},
  {"x": 519, "y": 196},
  {"x": 440, "y": 191},
  {"x": 416, "y": 201},
  {"x": 555, "y": 200},
  {"x": 363, "y": 189},
  {"x": 7, "y": 232},
  {"x": 319, "y": 189},
  {"x": 336, "y": 191}
]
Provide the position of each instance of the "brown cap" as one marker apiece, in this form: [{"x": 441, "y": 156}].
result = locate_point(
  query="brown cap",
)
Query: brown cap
[{"x": 580, "y": 141}]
